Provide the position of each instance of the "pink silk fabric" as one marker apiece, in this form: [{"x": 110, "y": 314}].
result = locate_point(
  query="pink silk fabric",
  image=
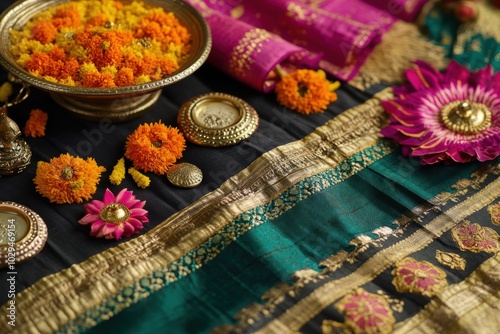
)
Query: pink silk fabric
[{"x": 251, "y": 37}]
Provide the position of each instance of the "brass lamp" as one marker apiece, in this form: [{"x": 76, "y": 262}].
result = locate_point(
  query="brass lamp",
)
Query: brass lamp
[{"x": 15, "y": 153}]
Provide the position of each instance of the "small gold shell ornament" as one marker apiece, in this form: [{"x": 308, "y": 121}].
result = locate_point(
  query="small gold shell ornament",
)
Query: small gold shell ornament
[{"x": 185, "y": 175}]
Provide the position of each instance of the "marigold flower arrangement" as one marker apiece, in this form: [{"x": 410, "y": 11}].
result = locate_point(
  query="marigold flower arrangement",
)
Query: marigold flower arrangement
[
  {"x": 102, "y": 43},
  {"x": 305, "y": 91},
  {"x": 154, "y": 147},
  {"x": 115, "y": 216},
  {"x": 446, "y": 117},
  {"x": 67, "y": 179}
]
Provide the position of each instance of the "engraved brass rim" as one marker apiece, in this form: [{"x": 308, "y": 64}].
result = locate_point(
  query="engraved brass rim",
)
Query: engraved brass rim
[
  {"x": 217, "y": 120},
  {"x": 465, "y": 117},
  {"x": 32, "y": 242}
]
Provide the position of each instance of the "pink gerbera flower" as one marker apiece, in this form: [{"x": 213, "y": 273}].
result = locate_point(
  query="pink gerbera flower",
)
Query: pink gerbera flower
[
  {"x": 115, "y": 217},
  {"x": 446, "y": 117}
]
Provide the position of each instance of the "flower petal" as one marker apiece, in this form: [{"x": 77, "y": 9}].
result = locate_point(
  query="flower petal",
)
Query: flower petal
[
  {"x": 124, "y": 196},
  {"x": 118, "y": 232},
  {"x": 138, "y": 213},
  {"x": 109, "y": 197},
  {"x": 89, "y": 218},
  {"x": 108, "y": 228},
  {"x": 96, "y": 226},
  {"x": 94, "y": 207}
]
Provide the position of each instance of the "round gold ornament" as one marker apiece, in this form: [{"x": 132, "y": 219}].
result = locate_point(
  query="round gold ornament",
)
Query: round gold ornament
[
  {"x": 466, "y": 118},
  {"x": 217, "y": 119},
  {"x": 23, "y": 234},
  {"x": 185, "y": 175}
]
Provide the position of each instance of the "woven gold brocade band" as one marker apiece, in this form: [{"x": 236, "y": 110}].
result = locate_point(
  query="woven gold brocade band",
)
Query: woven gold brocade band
[{"x": 58, "y": 299}]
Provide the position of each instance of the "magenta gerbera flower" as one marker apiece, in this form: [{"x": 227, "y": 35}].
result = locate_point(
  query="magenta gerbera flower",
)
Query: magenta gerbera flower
[
  {"x": 115, "y": 217},
  {"x": 446, "y": 117}
]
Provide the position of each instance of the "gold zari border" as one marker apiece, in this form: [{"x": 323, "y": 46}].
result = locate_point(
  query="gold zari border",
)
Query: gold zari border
[{"x": 60, "y": 298}]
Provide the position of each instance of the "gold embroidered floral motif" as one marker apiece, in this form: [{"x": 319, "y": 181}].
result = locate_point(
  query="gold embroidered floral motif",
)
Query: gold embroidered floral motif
[
  {"x": 366, "y": 312},
  {"x": 476, "y": 238},
  {"x": 452, "y": 260},
  {"x": 420, "y": 277},
  {"x": 494, "y": 211}
]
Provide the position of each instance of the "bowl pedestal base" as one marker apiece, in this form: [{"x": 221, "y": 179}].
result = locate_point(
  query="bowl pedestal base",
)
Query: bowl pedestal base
[{"x": 115, "y": 109}]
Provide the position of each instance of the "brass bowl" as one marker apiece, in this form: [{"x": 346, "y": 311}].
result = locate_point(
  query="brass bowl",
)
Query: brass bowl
[{"x": 115, "y": 104}]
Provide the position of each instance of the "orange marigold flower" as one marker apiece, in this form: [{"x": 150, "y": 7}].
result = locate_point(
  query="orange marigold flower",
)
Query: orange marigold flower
[
  {"x": 306, "y": 91},
  {"x": 154, "y": 147},
  {"x": 98, "y": 20},
  {"x": 124, "y": 77},
  {"x": 70, "y": 69},
  {"x": 67, "y": 179},
  {"x": 38, "y": 62},
  {"x": 35, "y": 125},
  {"x": 44, "y": 31},
  {"x": 56, "y": 53},
  {"x": 67, "y": 16},
  {"x": 98, "y": 80}
]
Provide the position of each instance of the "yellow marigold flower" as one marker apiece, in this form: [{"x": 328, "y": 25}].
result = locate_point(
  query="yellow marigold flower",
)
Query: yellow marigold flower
[
  {"x": 118, "y": 173},
  {"x": 140, "y": 179},
  {"x": 67, "y": 179},
  {"x": 142, "y": 79},
  {"x": 35, "y": 125},
  {"x": 154, "y": 147},
  {"x": 5, "y": 91},
  {"x": 306, "y": 91}
]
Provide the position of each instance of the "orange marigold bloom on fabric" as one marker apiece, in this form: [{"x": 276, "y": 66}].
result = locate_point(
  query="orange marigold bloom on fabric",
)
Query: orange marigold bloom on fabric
[
  {"x": 154, "y": 147},
  {"x": 306, "y": 91},
  {"x": 67, "y": 179},
  {"x": 35, "y": 125}
]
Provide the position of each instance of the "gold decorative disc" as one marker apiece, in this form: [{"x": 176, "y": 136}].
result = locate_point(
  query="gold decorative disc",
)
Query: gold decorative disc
[
  {"x": 217, "y": 119},
  {"x": 466, "y": 118},
  {"x": 185, "y": 175},
  {"x": 23, "y": 234}
]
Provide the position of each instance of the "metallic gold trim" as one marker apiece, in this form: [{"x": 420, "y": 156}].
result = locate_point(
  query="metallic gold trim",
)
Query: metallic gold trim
[
  {"x": 58, "y": 299},
  {"x": 462, "y": 307},
  {"x": 307, "y": 308}
]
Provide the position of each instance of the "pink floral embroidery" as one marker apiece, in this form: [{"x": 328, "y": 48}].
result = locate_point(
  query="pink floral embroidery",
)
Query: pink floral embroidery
[
  {"x": 366, "y": 312},
  {"x": 420, "y": 277},
  {"x": 476, "y": 238}
]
